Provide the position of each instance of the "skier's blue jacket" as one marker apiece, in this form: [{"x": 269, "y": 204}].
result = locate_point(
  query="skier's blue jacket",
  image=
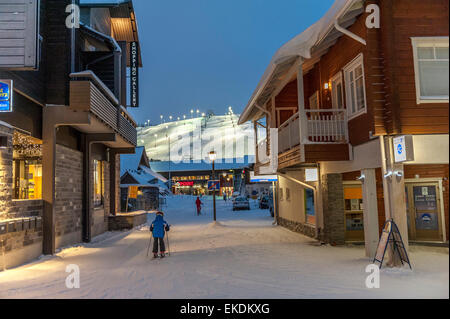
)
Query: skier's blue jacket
[{"x": 159, "y": 226}]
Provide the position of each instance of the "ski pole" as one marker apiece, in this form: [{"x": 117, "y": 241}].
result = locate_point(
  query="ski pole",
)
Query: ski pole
[
  {"x": 168, "y": 243},
  {"x": 149, "y": 244}
]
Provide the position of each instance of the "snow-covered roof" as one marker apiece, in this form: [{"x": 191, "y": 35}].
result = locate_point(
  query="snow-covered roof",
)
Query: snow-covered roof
[
  {"x": 136, "y": 165},
  {"x": 131, "y": 161},
  {"x": 288, "y": 55}
]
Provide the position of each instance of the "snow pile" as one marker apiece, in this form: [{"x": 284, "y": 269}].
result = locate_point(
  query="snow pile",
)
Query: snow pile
[{"x": 246, "y": 258}]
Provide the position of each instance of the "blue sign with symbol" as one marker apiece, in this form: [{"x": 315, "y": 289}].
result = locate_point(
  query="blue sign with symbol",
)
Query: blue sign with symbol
[
  {"x": 5, "y": 96},
  {"x": 400, "y": 149},
  {"x": 214, "y": 185}
]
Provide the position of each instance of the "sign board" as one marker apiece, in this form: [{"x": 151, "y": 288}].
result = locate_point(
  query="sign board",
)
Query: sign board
[
  {"x": 311, "y": 175},
  {"x": 391, "y": 235},
  {"x": 181, "y": 184},
  {"x": 134, "y": 74},
  {"x": 214, "y": 185},
  {"x": 6, "y": 95},
  {"x": 133, "y": 192},
  {"x": 262, "y": 178},
  {"x": 403, "y": 148}
]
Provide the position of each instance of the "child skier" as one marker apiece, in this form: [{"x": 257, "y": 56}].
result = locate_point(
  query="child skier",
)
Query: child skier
[{"x": 159, "y": 228}]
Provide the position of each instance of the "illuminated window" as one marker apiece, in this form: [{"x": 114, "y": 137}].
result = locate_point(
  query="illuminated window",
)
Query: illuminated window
[
  {"x": 27, "y": 167},
  {"x": 98, "y": 183}
]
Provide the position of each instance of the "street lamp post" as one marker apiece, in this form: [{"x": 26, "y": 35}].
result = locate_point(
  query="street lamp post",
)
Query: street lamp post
[{"x": 212, "y": 157}]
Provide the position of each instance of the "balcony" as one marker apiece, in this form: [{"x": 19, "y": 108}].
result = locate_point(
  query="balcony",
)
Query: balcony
[
  {"x": 89, "y": 94},
  {"x": 317, "y": 135}
]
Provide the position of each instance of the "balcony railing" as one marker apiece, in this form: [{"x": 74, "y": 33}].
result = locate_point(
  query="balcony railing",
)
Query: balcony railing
[
  {"x": 289, "y": 134},
  {"x": 326, "y": 126},
  {"x": 89, "y": 94}
]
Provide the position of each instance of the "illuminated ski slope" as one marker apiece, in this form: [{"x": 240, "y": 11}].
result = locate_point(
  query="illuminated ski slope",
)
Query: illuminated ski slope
[{"x": 218, "y": 133}]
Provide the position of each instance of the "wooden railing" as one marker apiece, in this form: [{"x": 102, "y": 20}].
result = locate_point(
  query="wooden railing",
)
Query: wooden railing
[
  {"x": 326, "y": 126},
  {"x": 289, "y": 134},
  {"x": 88, "y": 93}
]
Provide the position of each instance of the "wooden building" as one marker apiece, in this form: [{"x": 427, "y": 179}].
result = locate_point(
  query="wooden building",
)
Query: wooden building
[
  {"x": 66, "y": 64},
  {"x": 353, "y": 112}
]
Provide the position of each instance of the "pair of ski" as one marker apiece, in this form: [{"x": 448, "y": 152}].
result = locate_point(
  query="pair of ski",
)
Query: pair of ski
[{"x": 158, "y": 256}]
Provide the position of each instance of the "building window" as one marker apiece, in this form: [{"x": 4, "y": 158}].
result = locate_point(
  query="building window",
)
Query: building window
[
  {"x": 314, "y": 101},
  {"x": 27, "y": 167},
  {"x": 337, "y": 91},
  {"x": 355, "y": 87},
  {"x": 288, "y": 194},
  {"x": 431, "y": 69},
  {"x": 98, "y": 183}
]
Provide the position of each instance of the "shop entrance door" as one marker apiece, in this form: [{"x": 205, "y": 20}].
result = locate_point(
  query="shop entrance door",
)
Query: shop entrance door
[{"x": 424, "y": 212}]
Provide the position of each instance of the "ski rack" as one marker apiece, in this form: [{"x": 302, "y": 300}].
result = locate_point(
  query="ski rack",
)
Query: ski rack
[{"x": 395, "y": 239}]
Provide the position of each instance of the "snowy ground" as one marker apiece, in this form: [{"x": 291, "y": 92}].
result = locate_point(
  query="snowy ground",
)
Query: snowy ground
[{"x": 243, "y": 256}]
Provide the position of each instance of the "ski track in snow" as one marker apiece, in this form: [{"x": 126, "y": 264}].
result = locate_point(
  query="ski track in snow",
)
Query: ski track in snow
[{"x": 242, "y": 256}]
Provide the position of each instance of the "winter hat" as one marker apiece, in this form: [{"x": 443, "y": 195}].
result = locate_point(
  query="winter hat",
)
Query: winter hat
[{"x": 160, "y": 213}]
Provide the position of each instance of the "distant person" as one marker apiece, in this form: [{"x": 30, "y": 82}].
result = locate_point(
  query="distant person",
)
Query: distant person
[
  {"x": 225, "y": 197},
  {"x": 199, "y": 204},
  {"x": 159, "y": 228}
]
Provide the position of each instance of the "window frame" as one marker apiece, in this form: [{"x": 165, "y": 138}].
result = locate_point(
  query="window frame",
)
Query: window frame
[
  {"x": 352, "y": 66},
  {"x": 426, "y": 42},
  {"x": 337, "y": 78}
]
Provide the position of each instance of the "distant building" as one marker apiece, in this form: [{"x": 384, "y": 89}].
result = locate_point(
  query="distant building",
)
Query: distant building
[{"x": 135, "y": 171}]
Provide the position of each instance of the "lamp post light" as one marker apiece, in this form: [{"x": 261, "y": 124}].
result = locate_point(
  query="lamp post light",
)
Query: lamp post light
[
  {"x": 192, "y": 114},
  {"x": 212, "y": 157},
  {"x": 161, "y": 118}
]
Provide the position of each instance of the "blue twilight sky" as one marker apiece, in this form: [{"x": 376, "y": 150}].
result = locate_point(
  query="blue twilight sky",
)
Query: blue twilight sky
[{"x": 211, "y": 54}]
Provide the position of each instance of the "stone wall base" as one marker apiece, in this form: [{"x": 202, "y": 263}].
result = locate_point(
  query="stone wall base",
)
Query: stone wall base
[
  {"x": 304, "y": 229},
  {"x": 68, "y": 239},
  {"x": 127, "y": 221}
]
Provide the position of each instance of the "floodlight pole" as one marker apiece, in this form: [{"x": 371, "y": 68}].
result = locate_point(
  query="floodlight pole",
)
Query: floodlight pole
[{"x": 214, "y": 191}]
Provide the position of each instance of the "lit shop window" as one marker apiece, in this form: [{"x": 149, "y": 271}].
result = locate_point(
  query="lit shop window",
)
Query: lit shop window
[
  {"x": 431, "y": 69},
  {"x": 98, "y": 183},
  {"x": 27, "y": 167}
]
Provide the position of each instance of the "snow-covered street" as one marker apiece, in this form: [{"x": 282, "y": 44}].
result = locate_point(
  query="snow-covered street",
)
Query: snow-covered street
[{"x": 243, "y": 256}]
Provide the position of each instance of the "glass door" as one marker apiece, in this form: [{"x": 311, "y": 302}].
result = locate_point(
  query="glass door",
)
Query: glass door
[{"x": 424, "y": 213}]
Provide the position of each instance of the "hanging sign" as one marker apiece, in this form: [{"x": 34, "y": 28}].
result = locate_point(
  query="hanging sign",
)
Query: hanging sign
[
  {"x": 403, "y": 149},
  {"x": 6, "y": 95},
  {"x": 263, "y": 178},
  {"x": 134, "y": 74}
]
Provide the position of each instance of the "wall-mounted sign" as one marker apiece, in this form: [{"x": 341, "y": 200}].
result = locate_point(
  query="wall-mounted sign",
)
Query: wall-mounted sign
[
  {"x": 262, "y": 178},
  {"x": 311, "y": 175},
  {"x": 6, "y": 95},
  {"x": 134, "y": 74},
  {"x": 403, "y": 149}
]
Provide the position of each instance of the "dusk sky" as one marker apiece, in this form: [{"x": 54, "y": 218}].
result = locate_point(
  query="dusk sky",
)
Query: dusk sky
[{"x": 210, "y": 54}]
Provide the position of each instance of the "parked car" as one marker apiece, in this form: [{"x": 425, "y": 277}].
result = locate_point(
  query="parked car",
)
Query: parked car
[
  {"x": 235, "y": 194},
  {"x": 264, "y": 202},
  {"x": 241, "y": 203}
]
